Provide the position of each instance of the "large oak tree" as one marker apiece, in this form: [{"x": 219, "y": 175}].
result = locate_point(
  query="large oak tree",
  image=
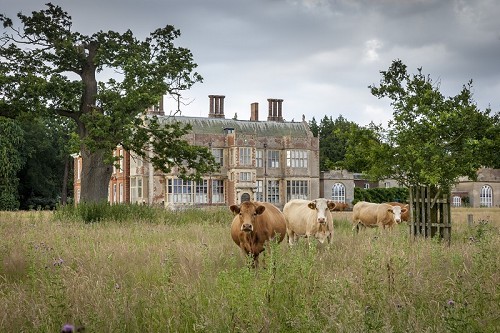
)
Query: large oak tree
[
  {"x": 431, "y": 140},
  {"x": 47, "y": 68}
]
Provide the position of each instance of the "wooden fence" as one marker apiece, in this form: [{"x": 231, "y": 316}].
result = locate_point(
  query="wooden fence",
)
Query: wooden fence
[{"x": 430, "y": 213}]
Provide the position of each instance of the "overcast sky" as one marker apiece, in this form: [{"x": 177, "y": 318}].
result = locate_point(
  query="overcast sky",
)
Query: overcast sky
[{"x": 319, "y": 56}]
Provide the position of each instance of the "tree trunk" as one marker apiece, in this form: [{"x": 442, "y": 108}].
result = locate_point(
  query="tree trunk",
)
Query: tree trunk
[
  {"x": 95, "y": 177},
  {"x": 64, "y": 189}
]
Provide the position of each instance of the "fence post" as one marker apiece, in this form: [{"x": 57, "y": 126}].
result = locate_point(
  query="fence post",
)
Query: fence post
[{"x": 470, "y": 220}]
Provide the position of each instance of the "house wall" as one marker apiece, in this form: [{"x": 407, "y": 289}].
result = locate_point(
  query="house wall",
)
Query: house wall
[{"x": 472, "y": 189}]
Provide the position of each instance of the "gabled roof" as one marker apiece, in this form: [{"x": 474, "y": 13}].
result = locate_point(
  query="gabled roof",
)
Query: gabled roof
[{"x": 259, "y": 128}]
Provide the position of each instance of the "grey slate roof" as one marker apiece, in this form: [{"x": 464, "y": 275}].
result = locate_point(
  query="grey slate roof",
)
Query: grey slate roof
[{"x": 260, "y": 128}]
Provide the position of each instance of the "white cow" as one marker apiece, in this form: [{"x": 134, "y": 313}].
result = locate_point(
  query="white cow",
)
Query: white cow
[
  {"x": 309, "y": 218},
  {"x": 368, "y": 214}
]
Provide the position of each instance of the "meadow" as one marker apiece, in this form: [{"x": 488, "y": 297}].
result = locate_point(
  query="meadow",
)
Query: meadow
[{"x": 168, "y": 271}]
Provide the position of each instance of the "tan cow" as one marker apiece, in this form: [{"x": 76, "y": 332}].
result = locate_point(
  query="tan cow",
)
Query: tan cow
[
  {"x": 254, "y": 225},
  {"x": 309, "y": 218},
  {"x": 340, "y": 207},
  {"x": 368, "y": 214},
  {"x": 405, "y": 216}
]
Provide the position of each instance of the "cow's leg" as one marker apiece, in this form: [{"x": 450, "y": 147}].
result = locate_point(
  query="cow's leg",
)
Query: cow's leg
[{"x": 291, "y": 236}]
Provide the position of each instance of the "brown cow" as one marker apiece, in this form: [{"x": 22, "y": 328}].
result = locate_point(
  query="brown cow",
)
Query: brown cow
[
  {"x": 405, "y": 216},
  {"x": 340, "y": 207},
  {"x": 254, "y": 225},
  {"x": 368, "y": 214}
]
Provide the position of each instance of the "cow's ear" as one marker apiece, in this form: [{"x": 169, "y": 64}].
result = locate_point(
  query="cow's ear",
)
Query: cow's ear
[
  {"x": 235, "y": 209},
  {"x": 404, "y": 210},
  {"x": 312, "y": 205},
  {"x": 331, "y": 205},
  {"x": 390, "y": 210},
  {"x": 260, "y": 209}
]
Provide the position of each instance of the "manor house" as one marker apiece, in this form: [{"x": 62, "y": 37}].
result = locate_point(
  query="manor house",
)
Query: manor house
[{"x": 269, "y": 160}]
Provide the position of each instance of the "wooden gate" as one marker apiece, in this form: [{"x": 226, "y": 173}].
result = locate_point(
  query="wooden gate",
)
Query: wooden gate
[{"x": 430, "y": 213}]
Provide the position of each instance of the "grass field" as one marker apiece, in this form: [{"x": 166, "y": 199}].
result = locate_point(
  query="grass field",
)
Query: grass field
[{"x": 181, "y": 272}]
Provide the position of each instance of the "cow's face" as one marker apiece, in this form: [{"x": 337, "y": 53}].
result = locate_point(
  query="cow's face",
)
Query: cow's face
[
  {"x": 322, "y": 208},
  {"x": 247, "y": 213},
  {"x": 397, "y": 211}
]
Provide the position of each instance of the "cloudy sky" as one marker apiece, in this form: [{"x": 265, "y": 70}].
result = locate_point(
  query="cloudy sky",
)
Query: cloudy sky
[{"x": 319, "y": 56}]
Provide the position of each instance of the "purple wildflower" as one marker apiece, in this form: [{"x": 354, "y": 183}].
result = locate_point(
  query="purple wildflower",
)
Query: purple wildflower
[{"x": 67, "y": 328}]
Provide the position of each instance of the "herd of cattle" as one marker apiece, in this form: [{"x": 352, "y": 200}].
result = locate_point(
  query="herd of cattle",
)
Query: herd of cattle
[{"x": 256, "y": 223}]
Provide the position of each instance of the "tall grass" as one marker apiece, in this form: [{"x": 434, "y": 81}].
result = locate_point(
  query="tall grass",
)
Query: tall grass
[{"x": 180, "y": 272}]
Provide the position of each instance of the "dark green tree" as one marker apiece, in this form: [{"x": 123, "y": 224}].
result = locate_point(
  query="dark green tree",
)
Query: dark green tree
[
  {"x": 363, "y": 148},
  {"x": 46, "y": 68},
  {"x": 431, "y": 139},
  {"x": 41, "y": 180},
  {"x": 11, "y": 162},
  {"x": 340, "y": 143}
]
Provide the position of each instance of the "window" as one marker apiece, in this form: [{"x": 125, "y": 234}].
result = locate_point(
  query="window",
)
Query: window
[
  {"x": 79, "y": 167},
  {"x": 136, "y": 159},
  {"x": 367, "y": 186},
  {"x": 457, "y": 201},
  {"x": 245, "y": 176},
  {"x": 296, "y": 158},
  {"x": 122, "y": 161},
  {"x": 201, "y": 192},
  {"x": 115, "y": 162},
  {"x": 273, "y": 191},
  {"x": 218, "y": 155},
  {"x": 387, "y": 184},
  {"x": 115, "y": 197},
  {"x": 121, "y": 192},
  {"x": 259, "y": 191},
  {"x": 135, "y": 189},
  {"x": 179, "y": 191},
  {"x": 297, "y": 189},
  {"x": 217, "y": 191},
  {"x": 259, "y": 158},
  {"x": 245, "y": 156},
  {"x": 338, "y": 192},
  {"x": 486, "y": 196},
  {"x": 273, "y": 158}
]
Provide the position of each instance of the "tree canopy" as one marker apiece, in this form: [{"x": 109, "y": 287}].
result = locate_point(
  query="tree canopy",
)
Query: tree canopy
[
  {"x": 432, "y": 139},
  {"x": 46, "y": 68},
  {"x": 338, "y": 140}
]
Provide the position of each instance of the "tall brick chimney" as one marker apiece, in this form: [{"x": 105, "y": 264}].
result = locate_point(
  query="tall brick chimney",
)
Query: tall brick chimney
[
  {"x": 157, "y": 109},
  {"x": 254, "y": 112},
  {"x": 275, "y": 110},
  {"x": 216, "y": 106}
]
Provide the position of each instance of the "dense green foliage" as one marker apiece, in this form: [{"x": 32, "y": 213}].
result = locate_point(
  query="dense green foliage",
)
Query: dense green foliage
[
  {"x": 46, "y": 152},
  {"x": 141, "y": 276},
  {"x": 11, "y": 162},
  {"x": 379, "y": 195},
  {"x": 338, "y": 140},
  {"x": 432, "y": 139},
  {"x": 48, "y": 69}
]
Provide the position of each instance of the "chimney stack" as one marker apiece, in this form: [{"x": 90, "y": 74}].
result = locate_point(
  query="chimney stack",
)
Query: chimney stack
[
  {"x": 275, "y": 110},
  {"x": 157, "y": 109},
  {"x": 254, "y": 112},
  {"x": 216, "y": 106}
]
